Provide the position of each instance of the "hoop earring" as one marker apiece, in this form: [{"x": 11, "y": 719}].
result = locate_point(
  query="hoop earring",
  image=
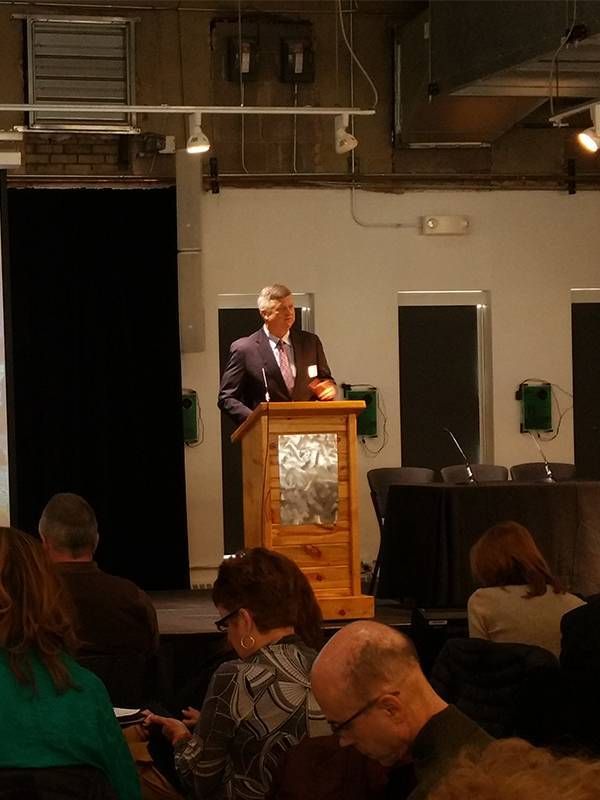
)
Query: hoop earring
[{"x": 247, "y": 642}]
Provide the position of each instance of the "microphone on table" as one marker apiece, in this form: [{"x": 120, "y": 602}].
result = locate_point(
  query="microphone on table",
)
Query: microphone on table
[
  {"x": 470, "y": 476},
  {"x": 549, "y": 476},
  {"x": 267, "y": 395}
]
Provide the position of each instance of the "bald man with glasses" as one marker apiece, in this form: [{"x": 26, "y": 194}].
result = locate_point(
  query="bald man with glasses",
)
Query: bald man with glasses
[{"x": 369, "y": 684}]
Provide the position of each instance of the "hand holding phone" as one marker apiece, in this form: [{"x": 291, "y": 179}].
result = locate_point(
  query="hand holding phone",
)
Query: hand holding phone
[{"x": 324, "y": 389}]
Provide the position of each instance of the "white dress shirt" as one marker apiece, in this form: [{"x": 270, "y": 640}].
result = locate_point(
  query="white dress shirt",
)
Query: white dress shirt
[{"x": 287, "y": 342}]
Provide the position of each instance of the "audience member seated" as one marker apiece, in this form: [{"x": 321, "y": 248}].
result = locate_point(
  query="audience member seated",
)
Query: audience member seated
[
  {"x": 512, "y": 769},
  {"x": 115, "y": 620},
  {"x": 53, "y": 712},
  {"x": 261, "y": 704},
  {"x": 521, "y": 602},
  {"x": 508, "y": 689},
  {"x": 368, "y": 682},
  {"x": 319, "y": 769},
  {"x": 580, "y": 662}
]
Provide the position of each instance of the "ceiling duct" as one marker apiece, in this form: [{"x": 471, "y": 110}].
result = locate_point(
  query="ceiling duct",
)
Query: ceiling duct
[{"x": 467, "y": 72}]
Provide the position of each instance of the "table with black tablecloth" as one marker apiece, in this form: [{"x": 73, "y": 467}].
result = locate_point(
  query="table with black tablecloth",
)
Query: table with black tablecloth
[{"x": 429, "y": 530}]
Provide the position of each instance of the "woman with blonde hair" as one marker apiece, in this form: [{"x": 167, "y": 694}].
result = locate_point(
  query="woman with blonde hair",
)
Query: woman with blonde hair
[
  {"x": 521, "y": 601},
  {"x": 512, "y": 769},
  {"x": 53, "y": 712}
]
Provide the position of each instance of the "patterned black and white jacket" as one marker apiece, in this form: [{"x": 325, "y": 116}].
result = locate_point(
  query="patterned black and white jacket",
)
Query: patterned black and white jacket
[{"x": 255, "y": 710}]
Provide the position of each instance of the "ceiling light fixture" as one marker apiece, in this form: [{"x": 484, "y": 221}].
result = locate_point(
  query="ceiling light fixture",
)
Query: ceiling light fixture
[
  {"x": 344, "y": 140},
  {"x": 197, "y": 141},
  {"x": 590, "y": 138}
]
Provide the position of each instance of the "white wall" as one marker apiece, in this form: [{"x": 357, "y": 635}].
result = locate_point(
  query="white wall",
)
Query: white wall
[{"x": 527, "y": 248}]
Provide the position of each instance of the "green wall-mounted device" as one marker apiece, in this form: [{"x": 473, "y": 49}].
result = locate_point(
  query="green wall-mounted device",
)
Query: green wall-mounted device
[
  {"x": 366, "y": 422},
  {"x": 536, "y": 406}
]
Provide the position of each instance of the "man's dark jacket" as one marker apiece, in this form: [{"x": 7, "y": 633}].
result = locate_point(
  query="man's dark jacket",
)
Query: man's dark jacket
[
  {"x": 580, "y": 662},
  {"x": 439, "y": 743},
  {"x": 242, "y": 385},
  {"x": 112, "y": 615},
  {"x": 509, "y": 689}
]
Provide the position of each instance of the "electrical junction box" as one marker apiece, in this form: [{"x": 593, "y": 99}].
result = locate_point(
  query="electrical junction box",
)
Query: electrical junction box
[
  {"x": 536, "y": 406},
  {"x": 169, "y": 145},
  {"x": 366, "y": 421},
  {"x": 297, "y": 61},
  {"x": 242, "y": 63},
  {"x": 440, "y": 225},
  {"x": 189, "y": 409}
]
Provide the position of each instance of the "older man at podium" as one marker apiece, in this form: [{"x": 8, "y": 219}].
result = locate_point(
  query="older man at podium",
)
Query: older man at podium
[{"x": 275, "y": 363}]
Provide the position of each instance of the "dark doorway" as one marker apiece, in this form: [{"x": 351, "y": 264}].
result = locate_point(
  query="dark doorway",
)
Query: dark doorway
[
  {"x": 585, "y": 323},
  {"x": 96, "y": 370},
  {"x": 234, "y": 323},
  {"x": 438, "y": 384}
]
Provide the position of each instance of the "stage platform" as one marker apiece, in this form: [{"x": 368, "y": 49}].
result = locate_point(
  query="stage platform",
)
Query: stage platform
[
  {"x": 190, "y": 643},
  {"x": 192, "y": 612}
]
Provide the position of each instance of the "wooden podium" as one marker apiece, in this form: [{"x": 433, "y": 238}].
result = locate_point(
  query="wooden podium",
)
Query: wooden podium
[{"x": 326, "y": 551}]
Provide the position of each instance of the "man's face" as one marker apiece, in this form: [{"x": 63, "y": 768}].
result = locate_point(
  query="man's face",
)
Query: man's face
[
  {"x": 280, "y": 317},
  {"x": 379, "y": 731}
]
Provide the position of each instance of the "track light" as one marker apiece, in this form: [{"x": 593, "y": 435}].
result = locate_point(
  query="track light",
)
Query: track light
[
  {"x": 344, "y": 140},
  {"x": 590, "y": 138},
  {"x": 198, "y": 141}
]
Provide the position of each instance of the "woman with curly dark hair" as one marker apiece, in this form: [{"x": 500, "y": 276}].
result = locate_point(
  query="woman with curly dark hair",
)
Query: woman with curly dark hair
[
  {"x": 53, "y": 712},
  {"x": 261, "y": 704}
]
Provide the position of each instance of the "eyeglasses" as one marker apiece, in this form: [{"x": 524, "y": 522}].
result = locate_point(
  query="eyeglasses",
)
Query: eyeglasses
[
  {"x": 338, "y": 727},
  {"x": 223, "y": 623}
]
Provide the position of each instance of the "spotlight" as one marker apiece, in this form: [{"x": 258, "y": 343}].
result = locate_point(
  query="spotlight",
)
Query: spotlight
[
  {"x": 198, "y": 141},
  {"x": 344, "y": 140},
  {"x": 590, "y": 138}
]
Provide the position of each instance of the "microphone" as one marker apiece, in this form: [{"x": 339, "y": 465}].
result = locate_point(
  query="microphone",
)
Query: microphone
[
  {"x": 470, "y": 476},
  {"x": 549, "y": 476},
  {"x": 267, "y": 395}
]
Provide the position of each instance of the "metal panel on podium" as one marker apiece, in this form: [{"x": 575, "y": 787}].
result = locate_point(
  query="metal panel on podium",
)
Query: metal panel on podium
[{"x": 300, "y": 495}]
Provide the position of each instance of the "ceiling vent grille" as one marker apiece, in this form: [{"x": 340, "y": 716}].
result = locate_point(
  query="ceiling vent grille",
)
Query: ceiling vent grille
[{"x": 76, "y": 60}]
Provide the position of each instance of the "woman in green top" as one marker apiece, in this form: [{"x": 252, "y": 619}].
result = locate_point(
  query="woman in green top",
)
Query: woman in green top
[{"x": 53, "y": 712}]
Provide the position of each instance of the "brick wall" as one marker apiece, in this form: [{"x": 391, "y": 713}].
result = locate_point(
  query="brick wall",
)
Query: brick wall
[{"x": 75, "y": 154}]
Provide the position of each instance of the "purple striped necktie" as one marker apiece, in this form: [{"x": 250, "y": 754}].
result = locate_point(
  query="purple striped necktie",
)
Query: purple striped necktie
[{"x": 284, "y": 366}]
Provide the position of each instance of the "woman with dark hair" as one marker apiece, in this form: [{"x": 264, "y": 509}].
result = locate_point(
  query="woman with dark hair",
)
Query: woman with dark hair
[
  {"x": 521, "y": 601},
  {"x": 53, "y": 712},
  {"x": 259, "y": 705}
]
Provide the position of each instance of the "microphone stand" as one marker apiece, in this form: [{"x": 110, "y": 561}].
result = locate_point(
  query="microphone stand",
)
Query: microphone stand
[
  {"x": 267, "y": 395},
  {"x": 549, "y": 476},
  {"x": 470, "y": 476}
]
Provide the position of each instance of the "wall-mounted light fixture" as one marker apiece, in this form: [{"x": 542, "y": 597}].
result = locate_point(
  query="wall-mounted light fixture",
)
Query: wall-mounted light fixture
[
  {"x": 197, "y": 140},
  {"x": 344, "y": 140}
]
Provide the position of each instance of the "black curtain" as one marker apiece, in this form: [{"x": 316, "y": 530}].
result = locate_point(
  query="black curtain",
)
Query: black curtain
[
  {"x": 585, "y": 328},
  {"x": 94, "y": 360},
  {"x": 438, "y": 384}
]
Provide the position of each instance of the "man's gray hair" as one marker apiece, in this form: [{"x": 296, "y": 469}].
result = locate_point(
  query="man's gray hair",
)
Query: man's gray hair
[
  {"x": 69, "y": 523},
  {"x": 270, "y": 295}
]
